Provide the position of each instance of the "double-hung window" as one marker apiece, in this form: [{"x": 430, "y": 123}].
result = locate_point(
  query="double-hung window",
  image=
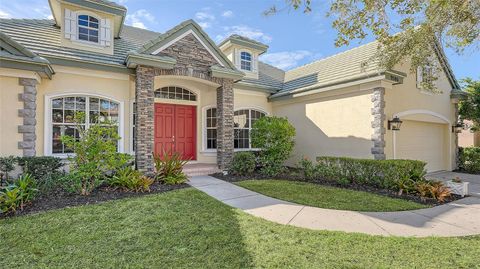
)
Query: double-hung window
[
  {"x": 245, "y": 61},
  {"x": 88, "y": 28},
  {"x": 243, "y": 121}
]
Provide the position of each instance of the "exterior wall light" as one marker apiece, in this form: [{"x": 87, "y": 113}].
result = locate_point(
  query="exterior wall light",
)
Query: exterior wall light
[
  {"x": 394, "y": 124},
  {"x": 457, "y": 128}
]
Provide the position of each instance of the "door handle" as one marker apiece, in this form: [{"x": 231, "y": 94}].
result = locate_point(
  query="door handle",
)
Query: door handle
[{"x": 173, "y": 138}]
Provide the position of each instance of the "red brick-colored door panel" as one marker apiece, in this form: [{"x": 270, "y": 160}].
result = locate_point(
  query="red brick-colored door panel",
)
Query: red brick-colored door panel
[
  {"x": 185, "y": 131},
  {"x": 175, "y": 130}
]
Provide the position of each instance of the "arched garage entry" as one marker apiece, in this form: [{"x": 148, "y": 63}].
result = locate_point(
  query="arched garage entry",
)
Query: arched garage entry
[{"x": 426, "y": 136}]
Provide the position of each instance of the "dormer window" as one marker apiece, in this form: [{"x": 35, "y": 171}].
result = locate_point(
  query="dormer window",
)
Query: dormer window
[
  {"x": 87, "y": 28},
  {"x": 245, "y": 61}
]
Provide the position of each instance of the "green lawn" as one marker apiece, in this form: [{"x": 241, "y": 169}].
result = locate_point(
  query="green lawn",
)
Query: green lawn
[
  {"x": 328, "y": 197},
  {"x": 188, "y": 229}
]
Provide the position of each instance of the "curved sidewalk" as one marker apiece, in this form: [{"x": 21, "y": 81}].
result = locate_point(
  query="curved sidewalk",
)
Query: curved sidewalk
[{"x": 459, "y": 218}]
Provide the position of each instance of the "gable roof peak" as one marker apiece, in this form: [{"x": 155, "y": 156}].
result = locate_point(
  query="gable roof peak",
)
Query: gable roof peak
[
  {"x": 244, "y": 41},
  {"x": 184, "y": 28}
]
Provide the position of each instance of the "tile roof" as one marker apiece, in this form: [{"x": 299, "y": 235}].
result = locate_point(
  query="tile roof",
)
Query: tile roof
[
  {"x": 108, "y": 3},
  {"x": 346, "y": 65},
  {"x": 243, "y": 38},
  {"x": 43, "y": 37}
]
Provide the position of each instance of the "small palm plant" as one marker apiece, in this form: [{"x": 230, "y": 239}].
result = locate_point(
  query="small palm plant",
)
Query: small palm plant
[{"x": 169, "y": 168}]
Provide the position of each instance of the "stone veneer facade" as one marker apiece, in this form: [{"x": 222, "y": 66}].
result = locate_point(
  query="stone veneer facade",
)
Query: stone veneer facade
[
  {"x": 192, "y": 60},
  {"x": 28, "y": 113},
  {"x": 378, "y": 113}
]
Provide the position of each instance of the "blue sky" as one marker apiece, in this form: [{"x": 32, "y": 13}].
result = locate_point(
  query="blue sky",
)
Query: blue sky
[{"x": 294, "y": 38}]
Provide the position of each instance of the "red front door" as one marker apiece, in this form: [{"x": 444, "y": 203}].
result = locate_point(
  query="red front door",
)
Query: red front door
[{"x": 175, "y": 130}]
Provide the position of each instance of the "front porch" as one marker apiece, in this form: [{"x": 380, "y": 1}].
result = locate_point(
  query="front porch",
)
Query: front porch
[{"x": 181, "y": 56}]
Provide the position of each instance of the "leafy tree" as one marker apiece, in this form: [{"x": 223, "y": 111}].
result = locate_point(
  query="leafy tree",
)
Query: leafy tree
[
  {"x": 405, "y": 29},
  {"x": 469, "y": 108},
  {"x": 274, "y": 136}
]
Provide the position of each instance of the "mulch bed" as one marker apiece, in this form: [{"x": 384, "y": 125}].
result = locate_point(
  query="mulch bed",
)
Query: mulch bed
[
  {"x": 294, "y": 175},
  {"x": 59, "y": 198}
]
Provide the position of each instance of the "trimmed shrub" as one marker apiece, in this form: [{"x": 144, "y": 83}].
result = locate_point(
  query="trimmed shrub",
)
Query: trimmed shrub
[
  {"x": 39, "y": 167},
  {"x": 7, "y": 164},
  {"x": 275, "y": 137},
  {"x": 470, "y": 159},
  {"x": 243, "y": 163},
  {"x": 397, "y": 175}
]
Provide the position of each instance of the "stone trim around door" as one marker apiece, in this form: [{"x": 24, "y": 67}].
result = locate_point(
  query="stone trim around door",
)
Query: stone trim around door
[
  {"x": 28, "y": 113},
  {"x": 225, "y": 125},
  {"x": 378, "y": 113},
  {"x": 144, "y": 124}
]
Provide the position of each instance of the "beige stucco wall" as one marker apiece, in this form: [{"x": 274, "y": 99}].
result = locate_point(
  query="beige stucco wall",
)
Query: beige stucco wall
[
  {"x": 9, "y": 119},
  {"x": 335, "y": 123},
  {"x": 80, "y": 81},
  {"x": 421, "y": 106}
]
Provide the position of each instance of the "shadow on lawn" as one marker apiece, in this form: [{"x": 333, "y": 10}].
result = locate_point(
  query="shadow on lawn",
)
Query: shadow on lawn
[{"x": 166, "y": 230}]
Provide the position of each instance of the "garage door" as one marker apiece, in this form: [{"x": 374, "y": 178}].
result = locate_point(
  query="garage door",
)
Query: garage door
[{"x": 423, "y": 141}]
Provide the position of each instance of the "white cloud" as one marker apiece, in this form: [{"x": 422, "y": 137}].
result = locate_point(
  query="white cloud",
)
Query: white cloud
[
  {"x": 287, "y": 59},
  {"x": 245, "y": 31},
  {"x": 138, "y": 18},
  {"x": 204, "y": 16},
  {"x": 227, "y": 14},
  {"x": 204, "y": 24},
  {"x": 4, "y": 14}
]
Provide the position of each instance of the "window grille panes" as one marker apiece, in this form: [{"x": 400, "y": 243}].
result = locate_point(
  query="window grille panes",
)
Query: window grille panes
[
  {"x": 211, "y": 128},
  {"x": 243, "y": 122},
  {"x": 64, "y": 109},
  {"x": 245, "y": 61},
  {"x": 176, "y": 93},
  {"x": 88, "y": 28}
]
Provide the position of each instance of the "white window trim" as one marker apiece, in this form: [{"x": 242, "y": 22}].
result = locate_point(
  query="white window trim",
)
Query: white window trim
[
  {"x": 251, "y": 60},
  {"x": 204, "y": 130},
  {"x": 84, "y": 42},
  {"x": 132, "y": 152},
  {"x": 47, "y": 143},
  {"x": 99, "y": 21},
  {"x": 205, "y": 150}
]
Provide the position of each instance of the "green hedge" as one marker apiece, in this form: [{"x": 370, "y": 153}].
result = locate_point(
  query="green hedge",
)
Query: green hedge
[
  {"x": 243, "y": 163},
  {"x": 384, "y": 174},
  {"x": 470, "y": 159}
]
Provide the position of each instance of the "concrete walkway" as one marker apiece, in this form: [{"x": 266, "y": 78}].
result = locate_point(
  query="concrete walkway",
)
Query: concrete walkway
[
  {"x": 473, "y": 185},
  {"x": 459, "y": 218}
]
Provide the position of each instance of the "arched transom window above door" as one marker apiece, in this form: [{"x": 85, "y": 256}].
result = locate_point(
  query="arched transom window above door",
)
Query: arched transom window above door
[{"x": 176, "y": 93}]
